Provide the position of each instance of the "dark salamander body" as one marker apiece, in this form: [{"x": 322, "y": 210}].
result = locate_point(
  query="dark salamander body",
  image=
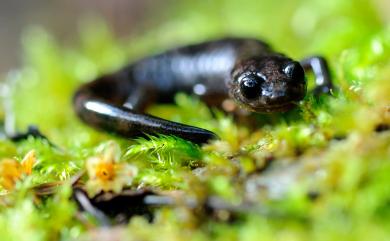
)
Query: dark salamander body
[{"x": 246, "y": 70}]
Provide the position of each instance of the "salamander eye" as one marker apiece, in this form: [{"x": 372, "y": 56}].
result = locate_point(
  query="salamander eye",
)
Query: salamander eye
[
  {"x": 294, "y": 71},
  {"x": 250, "y": 86}
]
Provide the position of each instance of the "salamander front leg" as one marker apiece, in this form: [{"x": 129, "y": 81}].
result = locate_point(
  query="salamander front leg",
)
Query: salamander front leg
[
  {"x": 320, "y": 69},
  {"x": 139, "y": 99}
]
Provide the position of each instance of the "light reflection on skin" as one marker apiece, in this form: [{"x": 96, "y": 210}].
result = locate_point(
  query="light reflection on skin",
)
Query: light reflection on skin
[{"x": 100, "y": 108}]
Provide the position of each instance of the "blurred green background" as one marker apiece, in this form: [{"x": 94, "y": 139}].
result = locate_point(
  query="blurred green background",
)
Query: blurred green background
[{"x": 294, "y": 26}]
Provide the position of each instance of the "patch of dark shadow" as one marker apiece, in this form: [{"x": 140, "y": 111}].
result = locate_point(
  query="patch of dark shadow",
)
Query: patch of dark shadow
[
  {"x": 109, "y": 208},
  {"x": 313, "y": 195},
  {"x": 125, "y": 205},
  {"x": 299, "y": 151},
  {"x": 382, "y": 127},
  {"x": 116, "y": 207},
  {"x": 339, "y": 137}
]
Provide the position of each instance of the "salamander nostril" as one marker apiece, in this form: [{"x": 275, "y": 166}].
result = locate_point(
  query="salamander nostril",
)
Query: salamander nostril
[{"x": 294, "y": 71}]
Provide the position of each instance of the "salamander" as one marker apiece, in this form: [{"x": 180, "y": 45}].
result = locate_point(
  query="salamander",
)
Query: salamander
[{"x": 246, "y": 70}]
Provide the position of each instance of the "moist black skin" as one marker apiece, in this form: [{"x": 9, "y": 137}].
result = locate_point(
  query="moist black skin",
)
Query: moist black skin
[{"x": 246, "y": 70}]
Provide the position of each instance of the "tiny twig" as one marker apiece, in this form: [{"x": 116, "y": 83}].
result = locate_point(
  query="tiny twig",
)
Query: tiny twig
[{"x": 85, "y": 203}]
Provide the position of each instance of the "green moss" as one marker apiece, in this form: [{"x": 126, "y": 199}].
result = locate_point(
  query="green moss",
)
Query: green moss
[{"x": 328, "y": 177}]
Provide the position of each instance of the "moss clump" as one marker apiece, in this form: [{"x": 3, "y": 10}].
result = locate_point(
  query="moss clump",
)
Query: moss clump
[{"x": 319, "y": 172}]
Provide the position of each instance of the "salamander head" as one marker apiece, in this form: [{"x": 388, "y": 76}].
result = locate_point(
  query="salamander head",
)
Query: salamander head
[{"x": 268, "y": 84}]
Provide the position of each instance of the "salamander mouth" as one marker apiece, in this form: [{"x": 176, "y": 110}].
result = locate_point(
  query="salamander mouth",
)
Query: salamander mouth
[
  {"x": 274, "y": 108},
  {"x": 268, "y": 106}
]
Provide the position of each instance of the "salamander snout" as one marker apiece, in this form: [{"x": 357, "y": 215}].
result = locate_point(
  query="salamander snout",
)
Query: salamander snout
[{"x": 270, "y": 84}]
